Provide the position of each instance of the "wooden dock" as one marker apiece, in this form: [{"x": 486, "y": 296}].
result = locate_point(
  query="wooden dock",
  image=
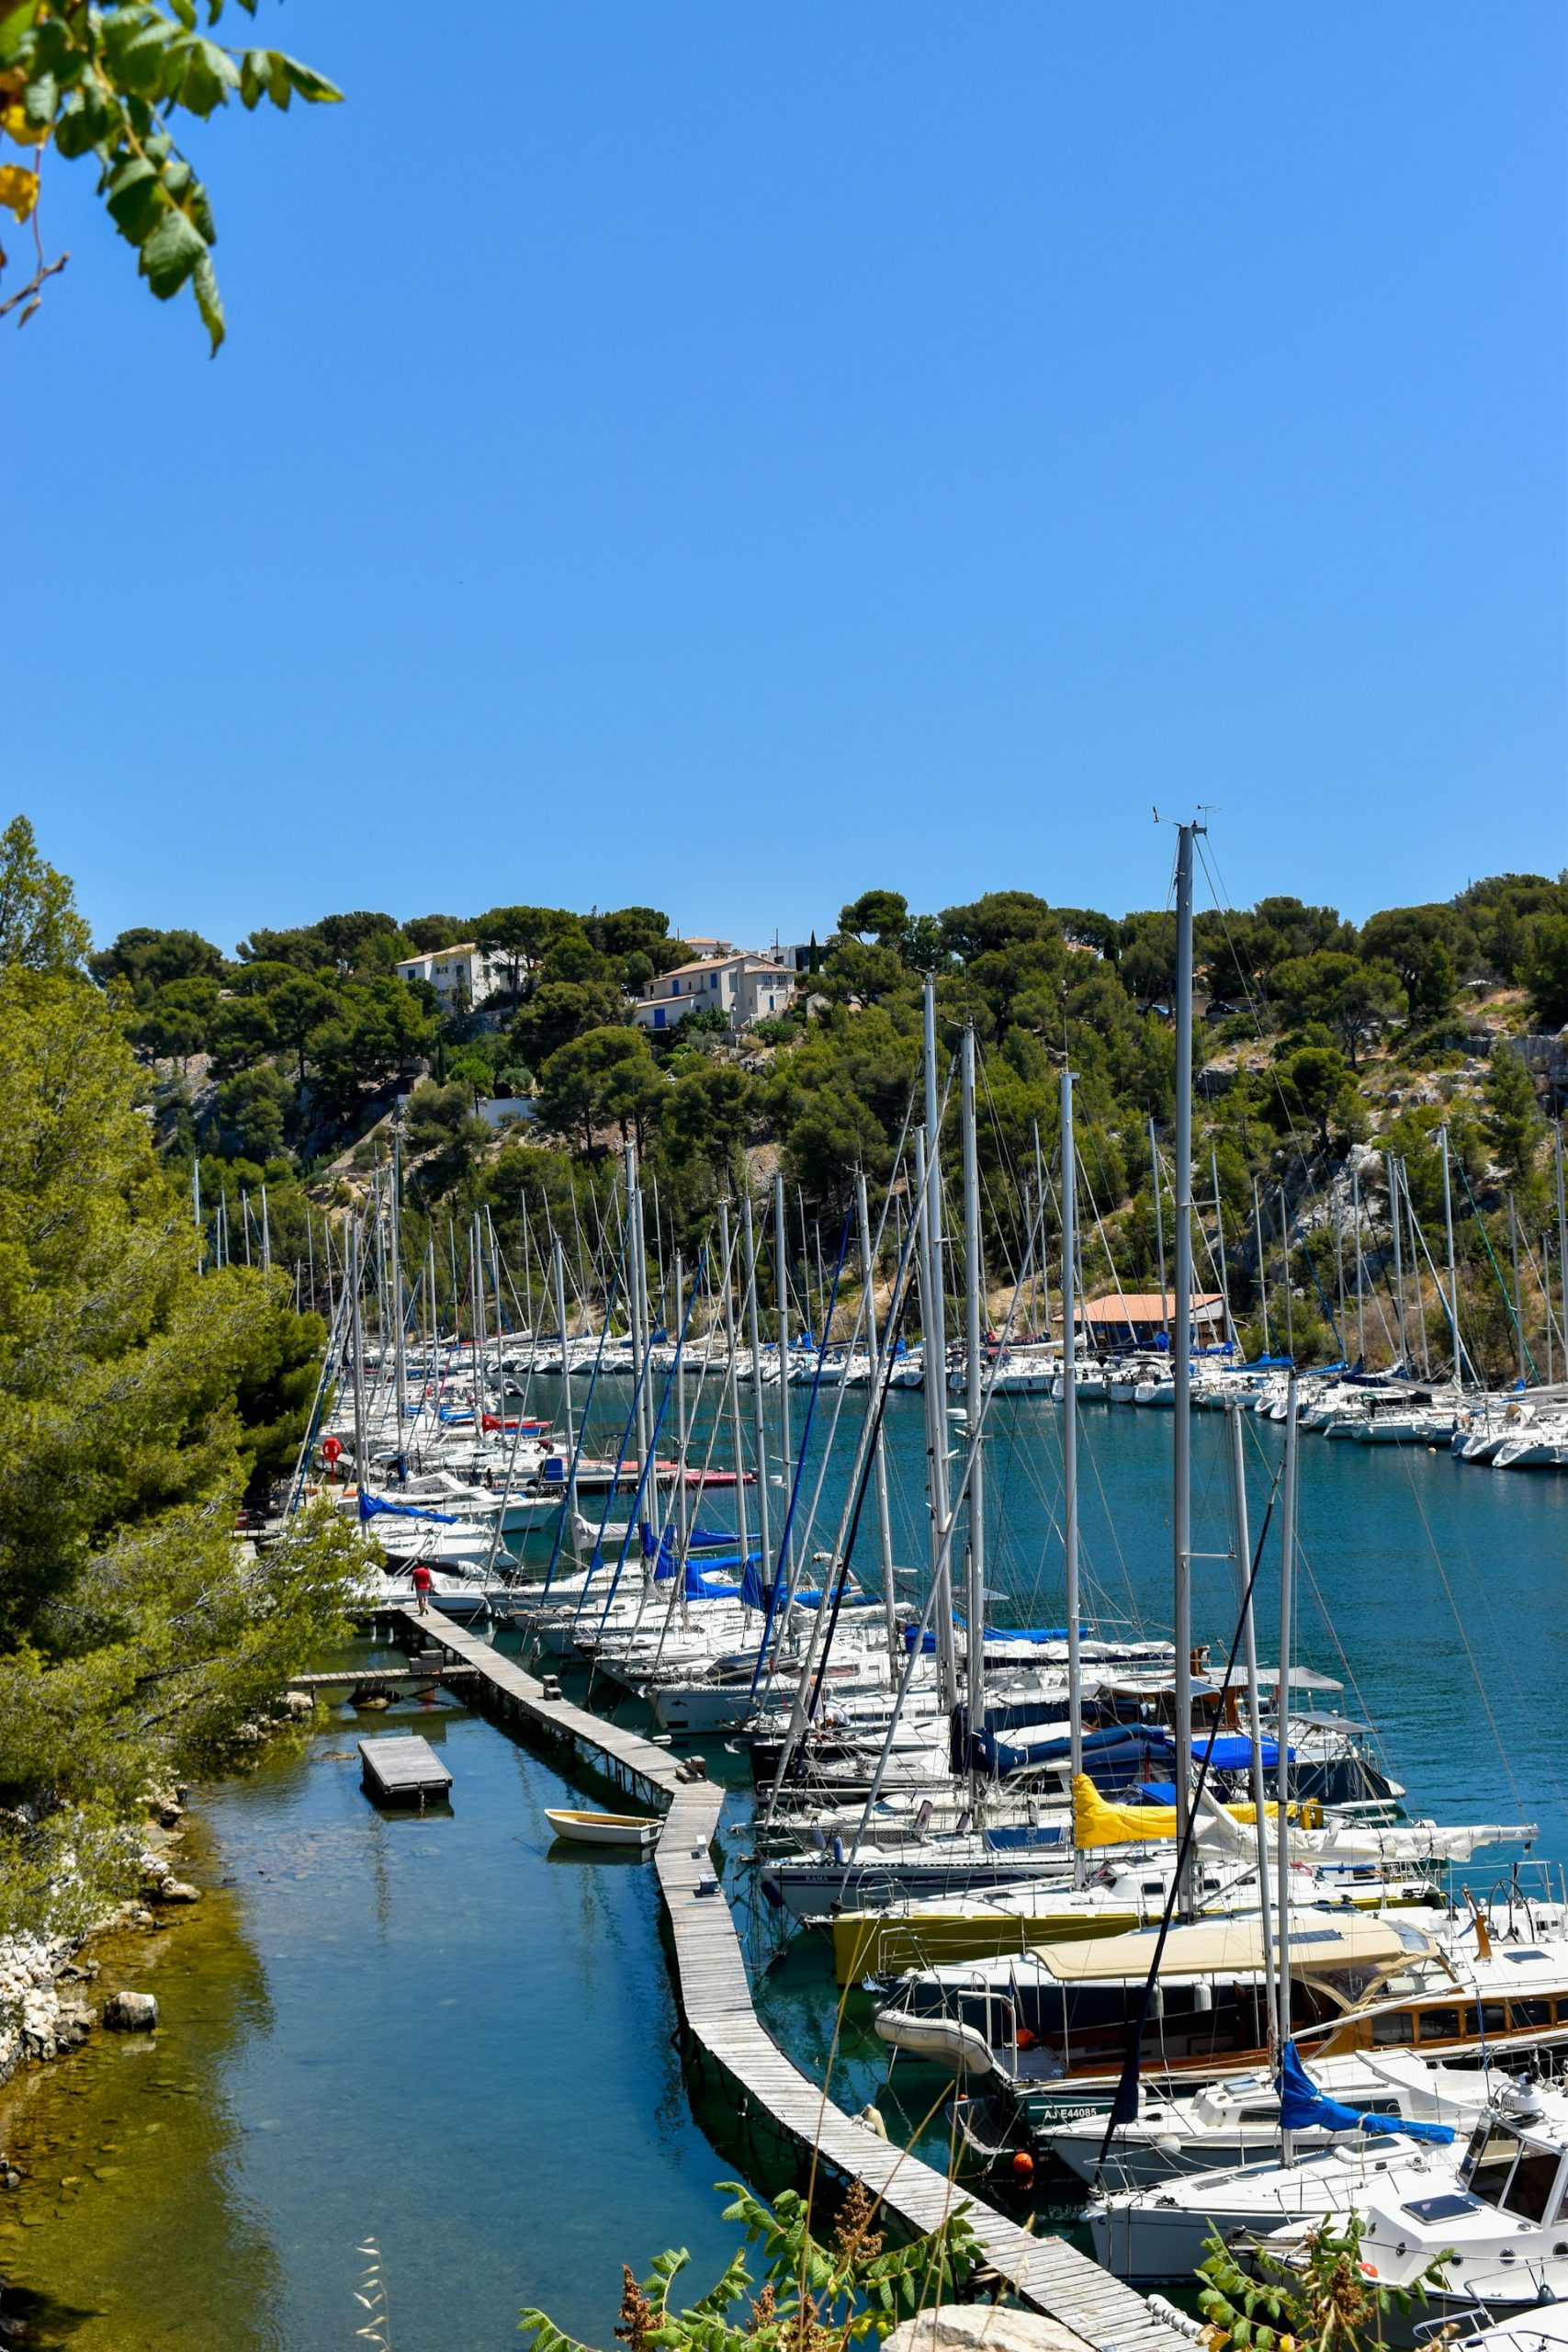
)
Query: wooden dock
[
  {"x": 403, "y": 1768},
  {"x": 721, "y": 2024}
]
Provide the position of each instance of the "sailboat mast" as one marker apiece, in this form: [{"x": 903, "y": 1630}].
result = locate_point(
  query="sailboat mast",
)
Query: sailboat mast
[
  {"x": 1159, "y": 1232},
  {"x": 1220, "y": 1245},
  {"x": 974, "y": 1282},
  {"x": 933, "y": 1330},
  {"x": 1283, "y": 1724},
  {"x": 1396, "y": 1221},
  {"x": 558, "y": 1268},
  {"x": 1360, "y": 1269},
  {"x": 356, "y": 1341},
  {"x": 1561, "y": 1256},
  {"x": 732, "y": 1390},
  {"x": 1518, "y": 1310},
  {"x": 754, "y": 1334},
  {"x": 1242, "y": 1538},
  {"x": 1071, "y": 1449},
  {"x": 1262, "y": 1278},
  {"x": 780, "y": 1286},
  {"x": 1453, "y": 1274},
  {"x": 636, "y": 1273},
  {"x": 402, "y": 1368},
  {"x": 1181, "y": 1468},
  {"x": 879, "y": 1460}
]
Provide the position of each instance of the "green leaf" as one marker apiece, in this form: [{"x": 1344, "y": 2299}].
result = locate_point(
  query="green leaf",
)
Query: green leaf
[
  {"x": 136, "y": 47},
  {"x": 40, "y": 100},
  {"x": 136, "y": 200},
  {"x": 14, "y": 23},
  {"x": 209, "y": 300},
  {"x": 171, "y": 253},
  {"x": 185, "y": 11},
  {"x": 311, "y": 85},
  {"x": 208, "y": 75}
]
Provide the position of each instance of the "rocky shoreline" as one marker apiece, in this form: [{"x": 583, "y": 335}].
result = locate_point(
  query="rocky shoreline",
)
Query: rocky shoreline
[{"x": 46, "y": 2010}]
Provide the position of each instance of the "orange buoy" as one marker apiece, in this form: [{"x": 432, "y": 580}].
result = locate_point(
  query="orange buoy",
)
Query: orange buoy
[{"x": 1023, "y": 2166}]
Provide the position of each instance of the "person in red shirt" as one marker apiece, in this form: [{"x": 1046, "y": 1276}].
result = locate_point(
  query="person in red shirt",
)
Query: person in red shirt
[{"x": 422, "y": 1587}]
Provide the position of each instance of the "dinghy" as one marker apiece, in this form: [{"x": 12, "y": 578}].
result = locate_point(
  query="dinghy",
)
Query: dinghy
[{"x": 603, "y": 1828}]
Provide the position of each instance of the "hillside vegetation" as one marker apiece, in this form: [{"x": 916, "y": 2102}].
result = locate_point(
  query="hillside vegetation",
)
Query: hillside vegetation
[{"x": 1323, "y": 1046}]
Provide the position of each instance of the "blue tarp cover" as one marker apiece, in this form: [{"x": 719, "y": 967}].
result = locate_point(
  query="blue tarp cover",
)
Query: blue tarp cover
[
  {"x": 1227, "y": 1751},
  {"x": 370, "y": 1506},
  {"x": 1303, "y": 2108}
]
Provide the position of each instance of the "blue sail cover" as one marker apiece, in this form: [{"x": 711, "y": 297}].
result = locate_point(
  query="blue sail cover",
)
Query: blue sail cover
[
  {"x": 1227, "y": 1751},
  {"x": 370, "y": 1506},
  {"x": 1303, "y": 2108}
]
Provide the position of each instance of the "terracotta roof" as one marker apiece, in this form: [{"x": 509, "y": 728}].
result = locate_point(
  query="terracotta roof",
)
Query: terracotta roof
[{"x": 1142, "y": 1306}]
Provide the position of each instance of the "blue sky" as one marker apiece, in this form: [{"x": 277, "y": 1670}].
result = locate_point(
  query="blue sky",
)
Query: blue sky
[{"x": 730, "y": 457}]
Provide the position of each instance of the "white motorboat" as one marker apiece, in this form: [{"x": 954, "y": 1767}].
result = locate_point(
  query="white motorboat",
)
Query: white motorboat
[{"x": 1494, "y": 2207}]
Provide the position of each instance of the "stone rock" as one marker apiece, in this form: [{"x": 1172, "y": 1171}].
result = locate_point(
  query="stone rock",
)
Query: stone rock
[
  {"x": 178, "y": 1890},
  {"x": 982, "y": 2327},
  {"x": 130, "y": 2012}
]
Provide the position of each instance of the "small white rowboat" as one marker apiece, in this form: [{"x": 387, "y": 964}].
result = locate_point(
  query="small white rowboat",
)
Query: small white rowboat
[{"x": 603, "y": 1828}]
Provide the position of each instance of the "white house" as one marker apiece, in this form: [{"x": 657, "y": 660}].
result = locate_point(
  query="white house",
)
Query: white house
[
  {"x": 459, "y": 975},
  {"x": 745, "y": 988}
]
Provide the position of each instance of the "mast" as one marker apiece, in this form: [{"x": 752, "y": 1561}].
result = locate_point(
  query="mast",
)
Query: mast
[
  {"x": 1562, "y": 1255},
  {"x": 265, "y": 1234},
  {"x": 754, "y": 1333},
  {"x": 682, "y": 1502},
  {"x": 1360, "y": 1285},
  {"x": 1262, "y": 1279},
  {"x": 1290, "y": 1285},
  {"x": 1242, "y": 1538},
  {"x": 401, "y": 1369},
  {"x": 1159, "y": 1233},
  {"x": 1518, "y": 1310},
  {"x": 637, "y": 1280},
  {"x": 1282, "y": 1725},
  {"x": 1220, "y": 1245},
  {"x": 879, "y": 1460},
  {"x": 357, "y": 1342},
  {"x": 781, "y": 1285},
  {"x": 557, "y": 1257},
  {"x": 1070, "y": 1450},
  {"x": 732, "y": 1391},
  {"x": 974, "y": 1277},
  {"x": 1182, "y": 1512},
  {"x": 196, "y": 1212},
  {"x": 476, "y": 1345},
  {"x": 1396, "y": 1220},
  {"x": 1453, "y": 1274},
  {"x": 933, "y": 1326}
]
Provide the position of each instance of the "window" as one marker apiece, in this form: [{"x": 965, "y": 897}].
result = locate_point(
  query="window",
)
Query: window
[
  {"x": 1439, "y": 2025},
  {"x": 1485, "y": 2017},
  {"x": 1530, "y": 2013},
  {"x": 1530, "y": 2188},
  {"x": 1394, "y": 2026},
  {"x": 1488, "y": 2161}
]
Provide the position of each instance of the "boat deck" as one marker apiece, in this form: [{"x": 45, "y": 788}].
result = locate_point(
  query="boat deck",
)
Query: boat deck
[{"x": 721, "y": 2021}]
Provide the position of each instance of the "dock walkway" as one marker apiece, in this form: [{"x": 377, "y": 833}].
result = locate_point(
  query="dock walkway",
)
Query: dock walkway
[{"x": 715, "y": 1994}]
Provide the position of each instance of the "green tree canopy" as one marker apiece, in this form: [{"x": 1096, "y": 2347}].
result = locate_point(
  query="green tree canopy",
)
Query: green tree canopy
[{"x": 40, "y": 930}]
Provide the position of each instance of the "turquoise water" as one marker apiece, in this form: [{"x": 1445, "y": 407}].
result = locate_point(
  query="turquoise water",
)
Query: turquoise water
[{"x": 1436, "y": 1591}]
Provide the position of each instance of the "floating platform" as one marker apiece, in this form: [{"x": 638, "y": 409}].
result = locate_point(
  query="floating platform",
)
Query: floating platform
[{"x": 403, "y": 1768}]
